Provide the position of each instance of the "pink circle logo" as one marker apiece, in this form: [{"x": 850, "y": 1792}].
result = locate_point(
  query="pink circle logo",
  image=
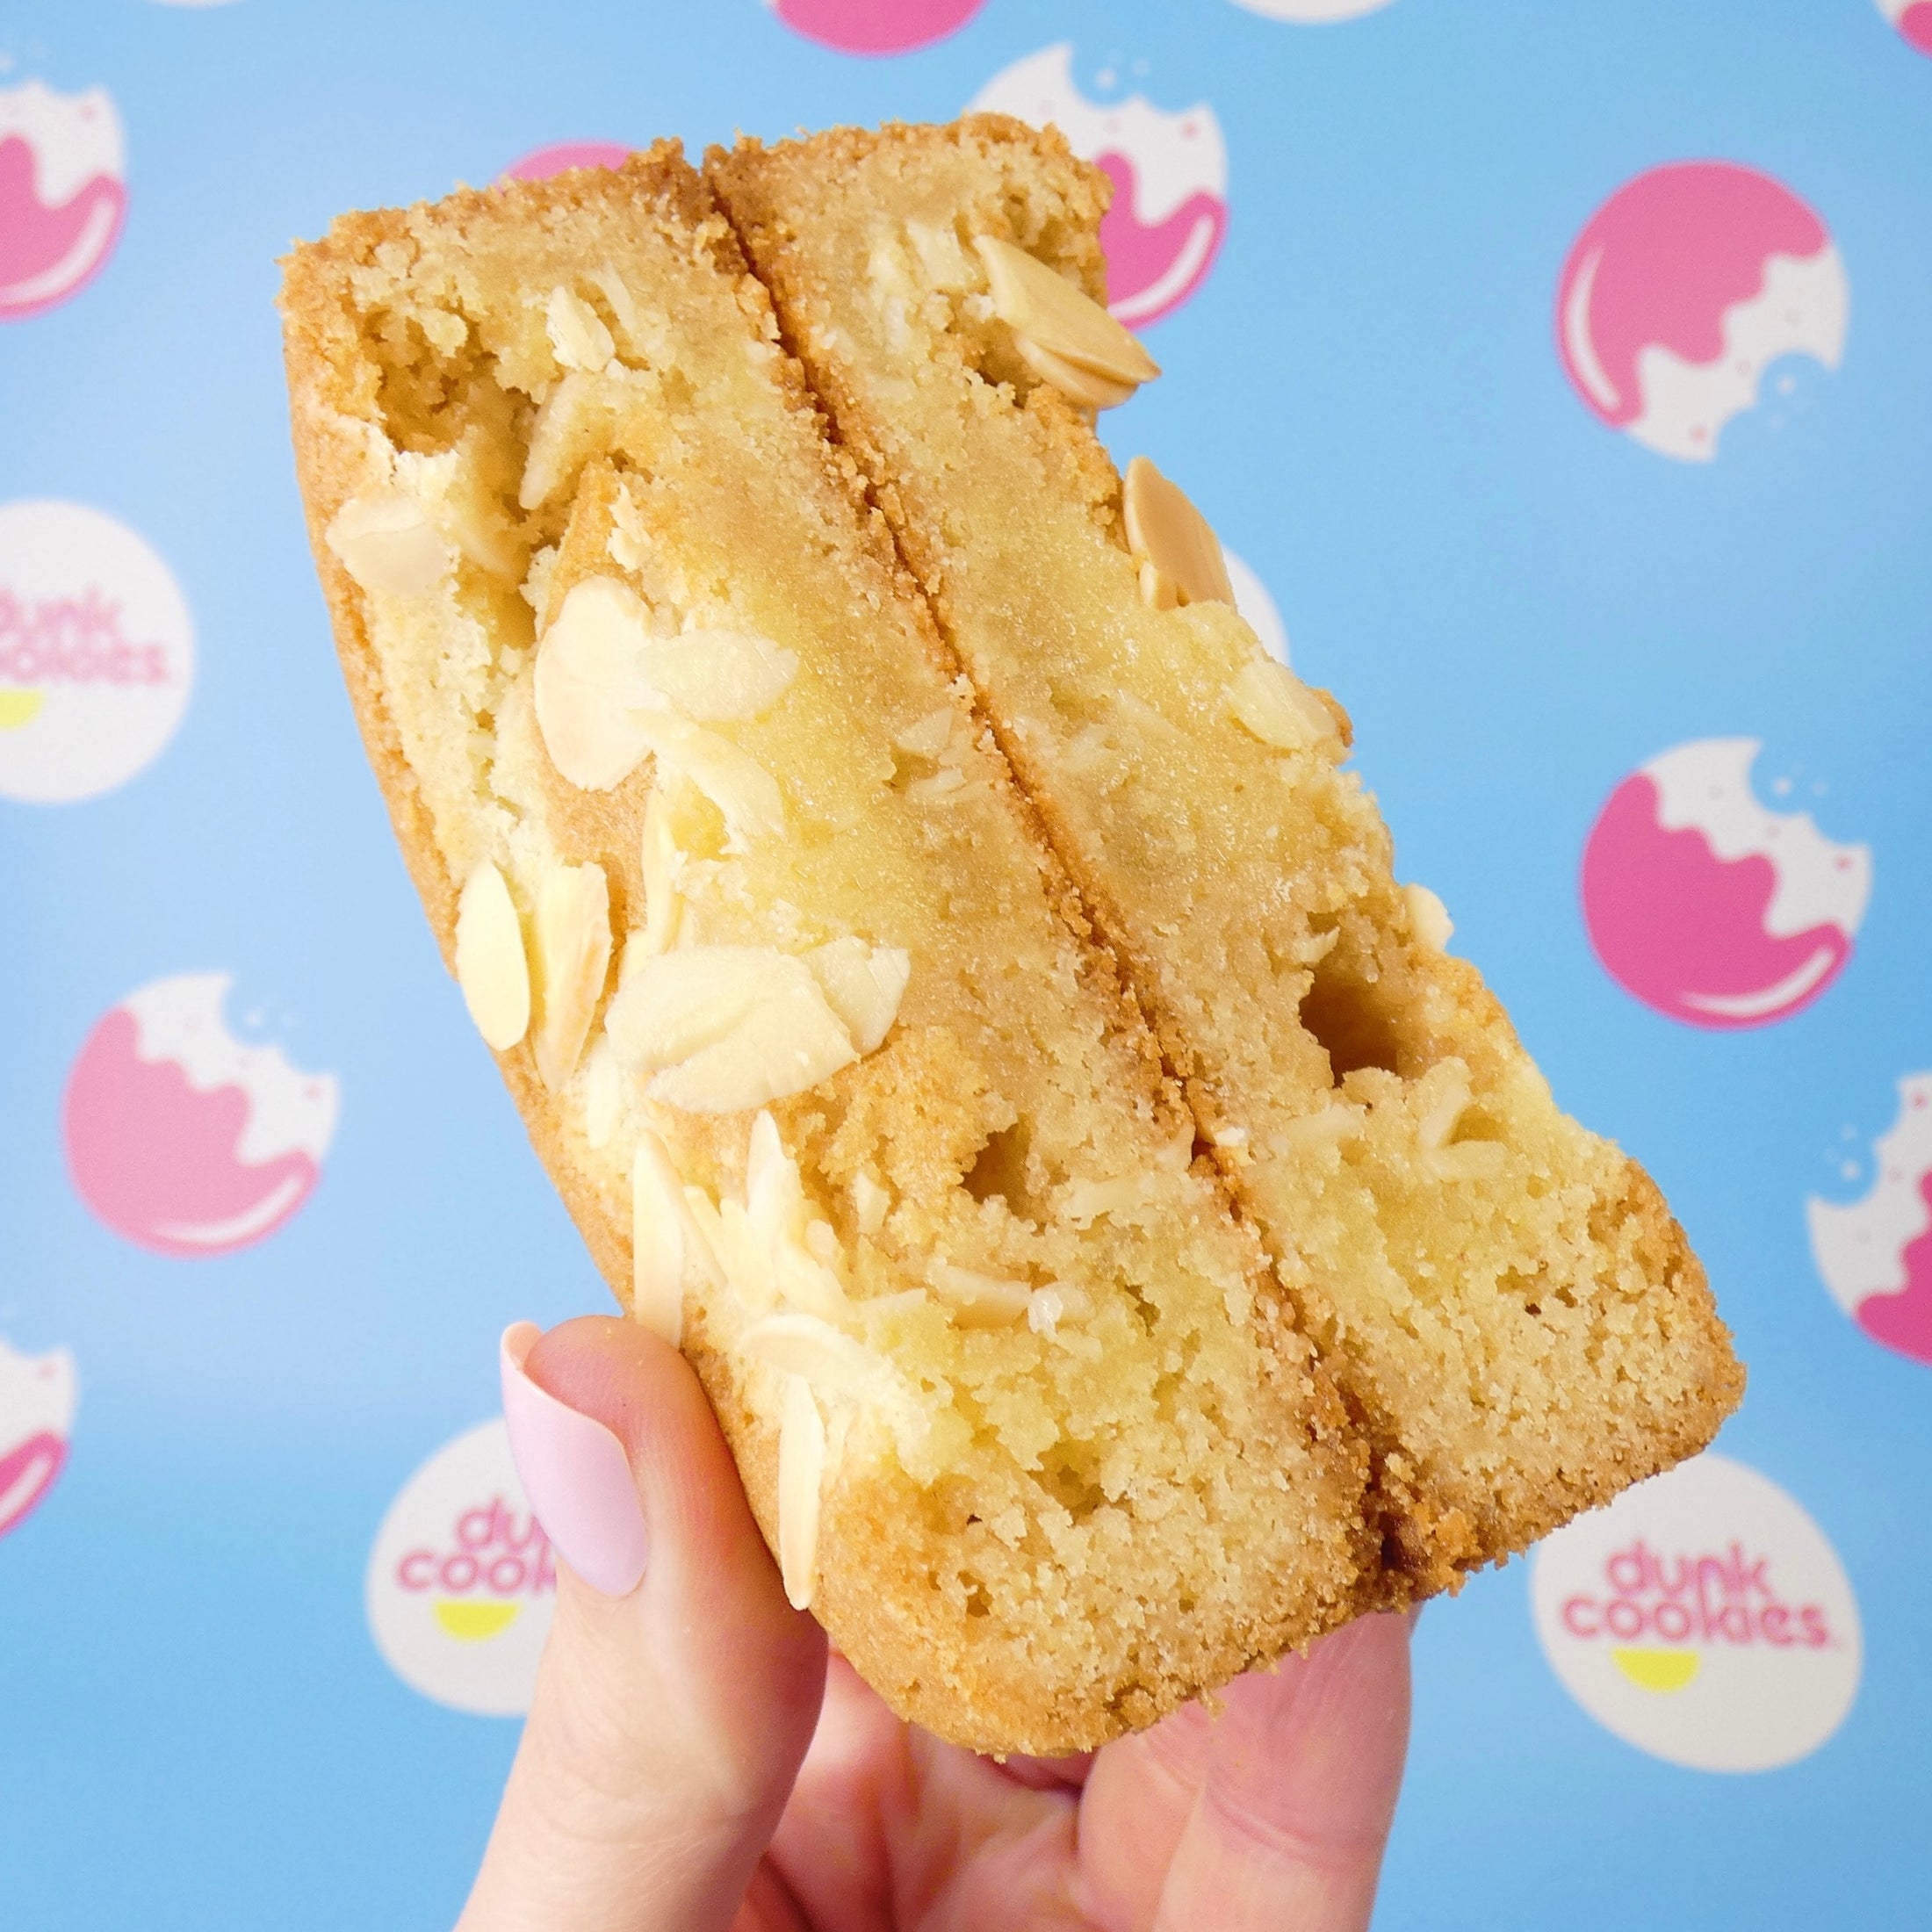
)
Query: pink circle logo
[
  {"x": 1708, "y": 906},
  {"x": 37, "y": 1401},
  {"x": 1682, "y": 288},
  {"x": 874, "y": 26},
  {"x": 63, "y": 200},
  {"x": 542, "y": 162},
  {"x": 1170, "y": 173},
  {"x": 1875, "y": 1255},
  {"x": 1913, "y": 20},
  {"x": 182, "y": 1137}
]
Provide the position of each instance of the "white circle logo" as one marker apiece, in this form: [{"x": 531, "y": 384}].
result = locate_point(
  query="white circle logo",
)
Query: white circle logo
[
  {"x": 97, "y": 653},
  {"x": 461, "y": 1580},
  {"x": 1703, "y": 1618}
]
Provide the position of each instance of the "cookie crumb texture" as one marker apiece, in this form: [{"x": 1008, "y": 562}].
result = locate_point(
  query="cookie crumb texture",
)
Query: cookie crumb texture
[
  {"x": 1515, "y": 1320},
  {"x": 792, "y": 991}
]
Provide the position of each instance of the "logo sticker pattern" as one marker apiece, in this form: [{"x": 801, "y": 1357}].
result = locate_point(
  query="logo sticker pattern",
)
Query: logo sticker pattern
[
  {"x": 1169, "y": 175},
  {"x": 1702, "y": 1617},
  {"x": 1913, "y": 20},
  {"x": 1875, "y": 1255},
  {"x": 62, "y": 194},
  {"x": 1707, "y": 905},
  {"x": 185, "y": 1138},
  {"x": 97, "y": 653},
  {"x": 874, "y": 26},
  {"x": 1683, "y": 289},
  {"x": 461, "y": 1582},
  {"x": 38, "y": 1396}
]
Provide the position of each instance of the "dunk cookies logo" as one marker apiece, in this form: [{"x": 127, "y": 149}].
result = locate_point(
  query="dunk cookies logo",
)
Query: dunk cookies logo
[
  {"x": 461, "y": 1580},
  {"x": 1703, "y": 1618},
  {"x": 97, "y": 653}
]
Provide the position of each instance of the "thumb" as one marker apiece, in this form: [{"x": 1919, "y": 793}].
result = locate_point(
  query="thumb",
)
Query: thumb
[{"x": 678, "y": 1690}]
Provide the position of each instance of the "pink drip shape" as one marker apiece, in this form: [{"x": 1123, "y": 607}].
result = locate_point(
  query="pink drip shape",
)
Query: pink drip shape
[
  {"x": 46, "y": 254},
  {"x": 1904, "y": 1321},
  {"x": 1667, "y": 255},
  {"x": 876, "y": 26},
  {"x": 159, "y": 1162},
  {"x": 26, "y": 1474},
  {"x": 543, "y": 162},
  {"x": 1916, "y": 24},
  {"x": 1679, "y": 926},
  {"x": 1139, "y": 254}
]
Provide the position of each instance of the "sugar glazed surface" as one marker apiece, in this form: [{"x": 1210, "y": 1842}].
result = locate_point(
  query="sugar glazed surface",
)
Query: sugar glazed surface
[{"x": 719, "y": 829}]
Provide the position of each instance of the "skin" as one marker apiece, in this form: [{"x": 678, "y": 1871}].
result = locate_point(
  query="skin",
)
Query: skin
[{"x": 696, "y": 1759}]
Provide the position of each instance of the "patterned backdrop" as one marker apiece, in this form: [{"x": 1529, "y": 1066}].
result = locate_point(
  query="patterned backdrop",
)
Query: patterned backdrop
[{"x": 1561, "y": 377}]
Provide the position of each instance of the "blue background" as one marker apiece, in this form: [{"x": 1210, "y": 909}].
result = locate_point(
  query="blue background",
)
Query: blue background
[{"x": 1518, "y": 606}]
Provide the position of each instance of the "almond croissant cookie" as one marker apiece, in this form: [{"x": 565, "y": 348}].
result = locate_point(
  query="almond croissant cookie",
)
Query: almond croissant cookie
[
  {"x": 1514, "y": 1316},
  {"x": 791, "y": 990}
]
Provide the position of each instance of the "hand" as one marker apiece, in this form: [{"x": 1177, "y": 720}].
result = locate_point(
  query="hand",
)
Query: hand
[{"x": 692, "y": 1763}]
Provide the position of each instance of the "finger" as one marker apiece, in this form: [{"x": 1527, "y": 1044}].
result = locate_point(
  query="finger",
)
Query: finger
[
  {"x": 1297, "y": 1792},
  {"x": 1140, "y": 1794},
  {"x": 678, "y": 1690}
]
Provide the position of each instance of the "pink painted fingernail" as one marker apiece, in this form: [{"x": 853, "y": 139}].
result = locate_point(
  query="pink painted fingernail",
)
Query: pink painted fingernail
[{"x": 576, "y": 1475}]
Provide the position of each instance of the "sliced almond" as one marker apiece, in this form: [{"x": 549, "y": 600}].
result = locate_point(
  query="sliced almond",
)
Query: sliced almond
[
  {"x": 1166, "y": 529},
  {"x": 1085, "y": 1202},
  {"x": 717, "y": 676},
  {"x": 573, "y": 959},
  {"x": 1271, "y": 703},
  {"x": 577, "y": 333},
  {"x": 863, "y": 984},
  {"x": 783, "y": 1046},
  {"x": 1084, "y": 386},
  {"x": 662, "y": 861},
  {"x": 801, "y": 1474},
  {"x": 673, "y": 1004},
  {"x": 603, "y": 1094},
  {"x": 1060, "y": 317},
  {"x": 388, "y": 542},
  {"x": 1468, "y": 1160},
  {"x": 1429, "y": 918},
  {"x": 491, "y": 967},
  {"x": 979, "y": 1300},
  {"x": 1451, "y": 1099},
  {"x": 586, "y": 685},
  {"x": 658, "y": 1264},
  {"x": 742, "y": 789},
  {"x": 1323, "y": 1128},
  {"x": 869, "y": 1203},
  {"x": 803, "y": 1344},
  {"x": 745, "y": 1255},
  {"x": 562, "y": 438},
  {"x": 930, "y": 736},
  {"x": 1158, "y": 592}
]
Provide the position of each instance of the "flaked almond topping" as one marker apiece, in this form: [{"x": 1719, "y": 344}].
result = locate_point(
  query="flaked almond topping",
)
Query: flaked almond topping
[
  {"x": 801, "y": 1474},
  {"x": 1086, "y": 386},
  {"x": 1158, "y": 592},
  {"x": 577, "y": 333},
  {"x": 1059, "y": 317},
  {"x": 572, "y": 958},
  {"x": 585, "y": 686},
  {"x": 491, "y": 967},
  {"x": 1163, "y": 529},
  {"x": 717, "y": 676},
  {"x": 744, "y": 793},
  {"x": 1429, "y": 918},
  {"x": 948, "y": 783},
  {"x": 1468, "y": 1160},
  {"x": 930, "y": 736},
  {"x": 658, "y": 1215},
  {"x": 1321, "y": 1129},
  {"x": 603, "y": 1094},
  {"x": 562, "y": 439},
  {"x": 388, "y": 542},
  {"x": 1452, "y": 1096},
  {"x": 803, "y": 1344},
  {"x": 1084, "y": 1201},
  {"x": 863, "y": 984},
  {"x": 662, "y": 860},
  {"x": 869, "y": 1203},
  {"x": 727, "y": 1027},
  {"x": 1271, "y": 703},
  {"x": 979, "y": 1300}
]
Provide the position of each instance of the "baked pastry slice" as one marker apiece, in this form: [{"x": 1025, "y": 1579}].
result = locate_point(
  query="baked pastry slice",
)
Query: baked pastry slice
[
  {"x": 787, "y": 985},
  {"x": 1503, "y": 1296}
]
